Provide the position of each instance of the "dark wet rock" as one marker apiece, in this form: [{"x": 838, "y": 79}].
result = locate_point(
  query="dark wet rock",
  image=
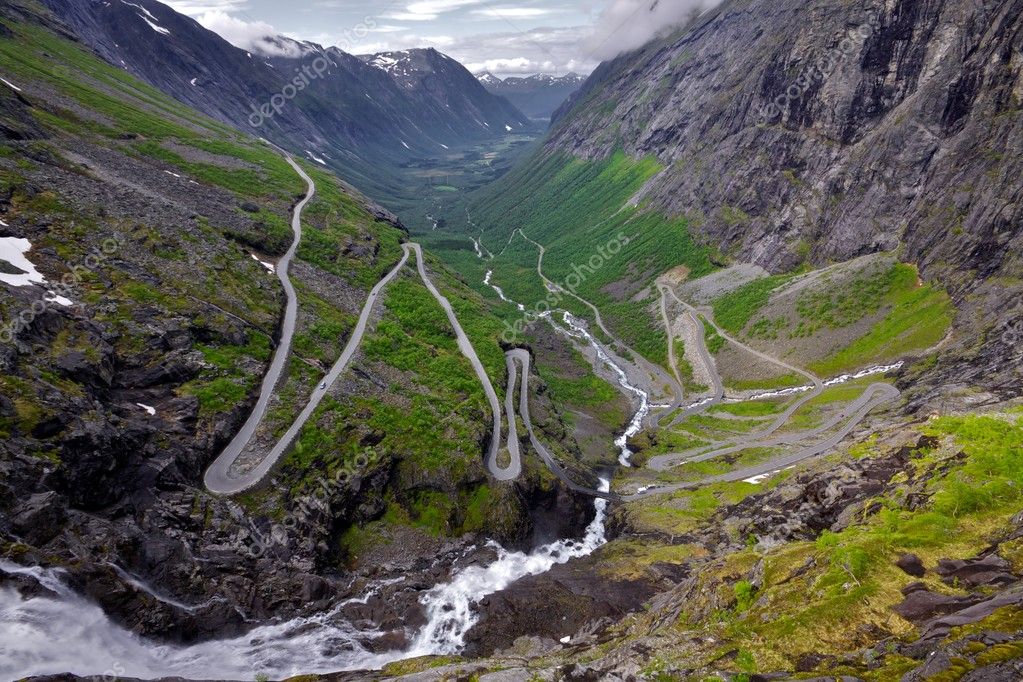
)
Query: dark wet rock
[
  {"x": 6, "y": 407},
  {"x": 567, "y": 599},
  {"x": 921, "y": 605},
  {"x": 911, "y": 565},
  {"x": 989, "y": 570},
  {"x": 25, "y": 585},
  {"x": 40, "y": 518},
  {"x": 810, "y": 662}
]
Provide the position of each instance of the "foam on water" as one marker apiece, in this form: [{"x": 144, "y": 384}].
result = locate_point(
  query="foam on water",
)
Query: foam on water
[
  {"x": 66, "y": 633},
  {"x": 578, "y": 330}
]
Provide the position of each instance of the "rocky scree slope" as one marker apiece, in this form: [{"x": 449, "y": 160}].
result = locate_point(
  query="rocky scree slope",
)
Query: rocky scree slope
[
  {"x": 112, "y": 406},
  {"x": 873, "y": 127},
  {"x": 352, "y": 116}
]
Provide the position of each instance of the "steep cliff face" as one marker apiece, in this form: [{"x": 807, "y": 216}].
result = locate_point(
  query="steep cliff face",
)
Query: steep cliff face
[
  {"x": 848, "y": 127},
  {"x": 794, "y": 131}
]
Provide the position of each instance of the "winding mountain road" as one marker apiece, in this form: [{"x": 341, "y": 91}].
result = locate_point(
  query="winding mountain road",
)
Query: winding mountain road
[
  {"x": 654, "y": 371},
  {"x": 514, "y": 469},
  {"x": 216, "y": 475},
  {"x": 220, "y": 479},
  {"x": 881, "y": 394},
  {"x": 521, "y": 357},
  {"x": 783, "y": 418},
  {"x": 672, "y": 360}
]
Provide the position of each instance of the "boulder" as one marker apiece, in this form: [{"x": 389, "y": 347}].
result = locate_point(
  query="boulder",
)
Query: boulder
[
  {"x": 911, "y": 565},
  {"x": 40, "y": 518}
]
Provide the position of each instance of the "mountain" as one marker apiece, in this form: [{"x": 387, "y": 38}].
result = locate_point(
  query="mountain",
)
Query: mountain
[
  {"x": 538, "y": 96},
  {"x": 317, "y": 101},
  {"x": 447, "y": 92},
  {"x": 759, "y": 285},
  {"x": 841, "y": 200},
  {"x": 142, "y": 246},
  {"x": 875, "y": 132}
]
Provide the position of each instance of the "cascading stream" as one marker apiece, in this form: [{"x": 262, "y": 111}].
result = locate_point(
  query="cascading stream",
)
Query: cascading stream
[
  {"x": 67, "y": 633},
  {"x": 622, "y": 442}
]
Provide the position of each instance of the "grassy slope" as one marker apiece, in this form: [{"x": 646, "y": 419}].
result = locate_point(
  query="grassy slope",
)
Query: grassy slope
[
  {"x": 914, "y": 316},
  {"x": 814, "y": 597},
  {"x": 108, "y": 107},
  {"x": 576, "y": 209},
  {"x": 438, "y": 423}
]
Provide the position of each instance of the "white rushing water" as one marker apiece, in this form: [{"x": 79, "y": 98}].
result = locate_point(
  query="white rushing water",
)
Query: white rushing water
[
  {"x": 67, "y": 633},
  {"x": 449, "y": 607},
  {"x": 500, "y": 291},
  {"x": 45, "y": 635},
  {"x": 837, "y": 381},
  {"x": 622, "y": 442}
]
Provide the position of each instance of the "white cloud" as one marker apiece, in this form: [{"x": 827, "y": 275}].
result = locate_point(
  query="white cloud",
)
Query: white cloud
[
  {"x": 196, "y": 8},
  {"x": 628, "y": 24},
  {"x": 513, "y": 12},
  {"x": 248, "y": 35},
  {"x": 429, "y": 10}
]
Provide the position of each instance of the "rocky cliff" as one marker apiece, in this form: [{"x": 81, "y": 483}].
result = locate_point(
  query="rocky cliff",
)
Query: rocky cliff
[{"x": 794, "y": 132}]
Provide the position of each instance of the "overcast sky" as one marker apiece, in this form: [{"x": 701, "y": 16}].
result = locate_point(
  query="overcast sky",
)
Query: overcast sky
[{"x": 503, "y": 36}]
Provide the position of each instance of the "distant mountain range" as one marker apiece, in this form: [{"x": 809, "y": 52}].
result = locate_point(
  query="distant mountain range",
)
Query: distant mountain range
[
  {"x": 454, "y": 99},
  {"x": 538, "y": 96},
  {"x": 362, "y": 116}
]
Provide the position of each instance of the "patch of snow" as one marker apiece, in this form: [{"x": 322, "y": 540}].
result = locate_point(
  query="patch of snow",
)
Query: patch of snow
[
  {"x": 11, "y": 85},
  {"x": 150, "y": 410},
  {"x": 757, "y": 480},
  {"x": 13, "y": 250},
  {"x": 268, "y": 266},
  {"x": 316, "y": 158},
  {"x": 566, "y": 639},
  {"x": 445, "y": 146},
  {"x": 140, "y": 7},
  {"x": 404, "y": 144},
  {"x": 508, "y": 128},
  {"x": 53, "y": 297},
  {"x": 3, "y": 224},
  {"x": 193, "y": 81},
  {"x": 174, "y": 174},
  {"x": 156, "y": 27}
]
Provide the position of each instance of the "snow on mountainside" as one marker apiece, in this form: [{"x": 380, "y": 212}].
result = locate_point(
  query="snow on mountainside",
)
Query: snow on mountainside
[
  {"x": 440, "y": 80},
  {"x": 344, "y": 109},
  {"x": 538, "y": 96}
]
